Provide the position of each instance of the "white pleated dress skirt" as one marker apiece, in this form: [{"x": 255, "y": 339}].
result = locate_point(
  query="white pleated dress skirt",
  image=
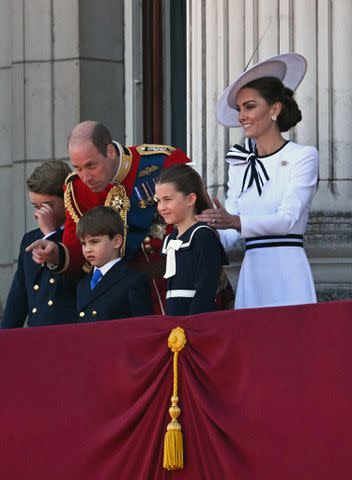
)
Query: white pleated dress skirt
[{"x": 275, "y": 276}]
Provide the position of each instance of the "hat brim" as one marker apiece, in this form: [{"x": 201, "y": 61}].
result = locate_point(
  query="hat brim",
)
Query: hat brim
[{"x": 290, "y": 68}]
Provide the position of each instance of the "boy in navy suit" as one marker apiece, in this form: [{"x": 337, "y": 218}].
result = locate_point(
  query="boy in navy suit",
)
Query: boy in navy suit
[
  {"x": 36, "y": 294},
  {"x": 112, "y": 289}
]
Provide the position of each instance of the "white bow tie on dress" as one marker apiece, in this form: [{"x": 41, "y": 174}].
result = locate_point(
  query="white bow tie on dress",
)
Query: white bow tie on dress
[{"x": 171, "y": 248}]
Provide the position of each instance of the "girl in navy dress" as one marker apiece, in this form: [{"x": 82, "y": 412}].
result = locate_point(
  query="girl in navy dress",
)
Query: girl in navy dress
[{"x": 194, "y": 253}]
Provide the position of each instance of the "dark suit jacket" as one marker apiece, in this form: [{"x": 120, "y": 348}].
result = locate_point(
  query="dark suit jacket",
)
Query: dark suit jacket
[
  {"x": 121, "y": 293},
  {"x": 46, "y": 298}
]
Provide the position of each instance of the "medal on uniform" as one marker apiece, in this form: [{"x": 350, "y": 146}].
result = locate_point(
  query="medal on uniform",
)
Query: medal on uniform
[
  {"x": 142, "y": 203},
  {"x": 150, "y": 200},
  {"x": 151, "y": 189}
]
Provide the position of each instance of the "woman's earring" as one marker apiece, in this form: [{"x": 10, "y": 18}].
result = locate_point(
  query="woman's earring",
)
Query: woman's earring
[{"x": 274, "y": 118}]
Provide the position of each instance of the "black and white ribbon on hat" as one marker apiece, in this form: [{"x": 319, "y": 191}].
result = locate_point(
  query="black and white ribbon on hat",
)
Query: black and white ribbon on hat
[{"x": 255, "y": 171}]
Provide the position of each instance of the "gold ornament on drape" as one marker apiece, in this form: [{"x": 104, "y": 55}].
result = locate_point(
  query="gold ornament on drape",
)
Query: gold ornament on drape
[{"x": 173, "y": 442}]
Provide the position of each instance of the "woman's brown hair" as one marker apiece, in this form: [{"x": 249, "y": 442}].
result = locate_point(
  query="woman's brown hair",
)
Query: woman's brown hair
[{"x": 273, "y": 90}]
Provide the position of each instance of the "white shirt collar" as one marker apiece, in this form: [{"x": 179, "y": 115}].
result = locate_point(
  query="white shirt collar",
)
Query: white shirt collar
[
  {"x": 48, "y": 235},
  {"x": 105, "y": 268}
]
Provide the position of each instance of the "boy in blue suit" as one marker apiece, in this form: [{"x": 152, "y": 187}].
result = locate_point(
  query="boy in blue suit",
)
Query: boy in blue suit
[
  {"x": 36, "y": 293},
  {"x": 112, "y": 290}
]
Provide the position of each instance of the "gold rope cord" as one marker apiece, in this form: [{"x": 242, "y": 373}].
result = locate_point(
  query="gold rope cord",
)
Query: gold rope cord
[{"x": 68, "y": 195}]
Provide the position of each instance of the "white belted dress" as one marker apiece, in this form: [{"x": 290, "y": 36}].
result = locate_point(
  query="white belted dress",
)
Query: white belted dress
[{"x": 275, "y": 270}]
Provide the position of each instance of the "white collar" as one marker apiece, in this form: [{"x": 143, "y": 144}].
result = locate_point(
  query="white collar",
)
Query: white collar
[{"x": 105, "y": 268}]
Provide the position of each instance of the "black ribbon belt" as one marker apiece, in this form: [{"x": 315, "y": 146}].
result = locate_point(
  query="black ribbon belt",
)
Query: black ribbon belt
[{"x": 290, "y": 240}]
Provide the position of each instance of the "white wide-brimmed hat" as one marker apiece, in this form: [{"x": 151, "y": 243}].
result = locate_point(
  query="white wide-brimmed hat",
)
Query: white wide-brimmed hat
[{"x": 290, "y": 68}]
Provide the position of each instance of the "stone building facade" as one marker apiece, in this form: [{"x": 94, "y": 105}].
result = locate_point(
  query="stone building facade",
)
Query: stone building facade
[{"x": 63, "y": 61}]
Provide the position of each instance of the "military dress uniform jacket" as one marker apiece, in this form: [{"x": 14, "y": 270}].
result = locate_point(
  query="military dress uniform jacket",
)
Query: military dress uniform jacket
[
  {"x": 121, "y": 293},
  {"x": 46, "y": 298},
  {"x": 139, "y": 169}
]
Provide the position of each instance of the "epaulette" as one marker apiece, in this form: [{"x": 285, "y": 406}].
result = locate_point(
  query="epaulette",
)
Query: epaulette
[
  {"x": 70, "y": 200},
  {"x": 70, "y": 177},
  {"x": 151, "y": 149},
  {"x": 125, "y": 163}
]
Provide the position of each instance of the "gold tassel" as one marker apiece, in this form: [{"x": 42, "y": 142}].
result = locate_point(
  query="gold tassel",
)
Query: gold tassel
[{"x": 173, "y": 442}]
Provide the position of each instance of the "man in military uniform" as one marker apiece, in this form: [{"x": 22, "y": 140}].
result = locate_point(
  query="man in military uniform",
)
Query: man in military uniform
[{"x": 107, "y": 173}]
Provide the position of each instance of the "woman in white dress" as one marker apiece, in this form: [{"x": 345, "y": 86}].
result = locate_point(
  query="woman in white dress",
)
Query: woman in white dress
[{"x": 271, "y": 185}]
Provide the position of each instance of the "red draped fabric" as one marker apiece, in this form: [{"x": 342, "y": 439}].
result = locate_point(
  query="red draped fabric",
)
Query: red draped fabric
[{"x": 265, "y": 394}]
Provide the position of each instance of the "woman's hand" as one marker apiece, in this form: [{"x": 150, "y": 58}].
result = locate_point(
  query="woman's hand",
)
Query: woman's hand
[{"x": 219, "y": 218}]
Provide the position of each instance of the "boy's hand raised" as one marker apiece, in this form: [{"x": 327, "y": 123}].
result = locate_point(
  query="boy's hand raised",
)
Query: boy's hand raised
[
  {"x": 44, "y": 251},
  {"x": 45, "y": 217}
]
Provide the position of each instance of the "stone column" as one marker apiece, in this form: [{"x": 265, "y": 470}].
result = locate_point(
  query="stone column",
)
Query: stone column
[
  {"x": 101, "y": 59},
  {"x": 6, "y": 161}
]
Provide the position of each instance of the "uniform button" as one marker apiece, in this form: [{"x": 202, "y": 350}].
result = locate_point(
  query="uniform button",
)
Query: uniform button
[
  {"x": 147, "y": 240},
  {"x": 50, "y": 302},
  {"x": 94, "y": 313},
  {"x": 81, "y": 314},
  {"x": 34, "y": 310},
  {"x": 36, "y": 287},
  {"x": 148, "y": 248},
  {"x": 52, "y": 280}
]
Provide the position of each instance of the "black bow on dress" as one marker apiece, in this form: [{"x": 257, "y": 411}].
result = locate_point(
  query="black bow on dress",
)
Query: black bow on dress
[{"x": 255, "y": 171}]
